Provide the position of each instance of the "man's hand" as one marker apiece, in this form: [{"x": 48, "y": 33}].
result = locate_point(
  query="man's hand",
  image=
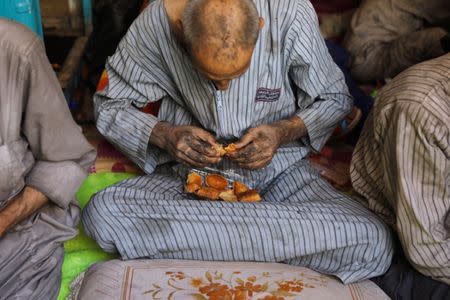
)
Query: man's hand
[
  {"x": 21, "y": 207},
  {"x": 257, "y": 147},
  {"x": 188, "y": 144}
]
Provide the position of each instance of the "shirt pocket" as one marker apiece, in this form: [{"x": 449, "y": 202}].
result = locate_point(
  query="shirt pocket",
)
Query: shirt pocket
[{"x": 12, "y": 170}]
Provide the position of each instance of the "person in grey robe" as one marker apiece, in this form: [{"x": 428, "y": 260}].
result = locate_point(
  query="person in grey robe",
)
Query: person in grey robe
[
  {"x": 388, "y": 36},
  {"x": 44, "y": 158},
  {"x": 256, "y": 73}
]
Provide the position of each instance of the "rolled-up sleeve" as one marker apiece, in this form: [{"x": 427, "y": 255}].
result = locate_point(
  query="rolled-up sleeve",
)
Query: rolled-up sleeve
[
  {"x": 62, "y": 154},
  {"x": 323, "y": 97}
]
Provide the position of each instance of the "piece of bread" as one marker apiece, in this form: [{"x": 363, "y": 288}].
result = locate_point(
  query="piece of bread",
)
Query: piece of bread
[
  {"x": 191, "y": 188},
  {"x": 225, "y": 150},
  {"x": 220, "y": 150},
  {"x": 239, "y": 188},
  {"x": 230, "y": 148},
  {"x": 228, "y": 196},
  {"x": 216, "y": 181},
  {"x": 194, "y": 177},
  {"x": 208, "y": 193},
  {"x": 249, "y": 196}
]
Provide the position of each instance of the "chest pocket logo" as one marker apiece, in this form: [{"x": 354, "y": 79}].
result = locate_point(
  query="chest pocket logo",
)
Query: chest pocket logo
[{"x": 267, "y": 95}]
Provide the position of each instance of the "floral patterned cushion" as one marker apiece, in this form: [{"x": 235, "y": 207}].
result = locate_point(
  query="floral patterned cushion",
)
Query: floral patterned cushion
[{"x": 198, "y": 280}]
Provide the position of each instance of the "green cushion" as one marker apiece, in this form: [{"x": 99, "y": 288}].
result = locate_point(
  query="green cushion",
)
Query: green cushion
[{"x": 82, "y": 251}]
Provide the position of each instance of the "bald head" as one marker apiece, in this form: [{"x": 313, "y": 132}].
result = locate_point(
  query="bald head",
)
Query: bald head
[
  {"x": 225, "y": 24},
  {"x": 220, "y": 36}
]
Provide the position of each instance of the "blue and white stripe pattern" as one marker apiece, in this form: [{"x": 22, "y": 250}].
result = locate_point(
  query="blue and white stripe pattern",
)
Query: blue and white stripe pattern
[{"x": 302, "y": 219}]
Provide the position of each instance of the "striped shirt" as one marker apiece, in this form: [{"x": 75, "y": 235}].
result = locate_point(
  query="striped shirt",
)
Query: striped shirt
[
  {"x": 291, "y": 73},
  {"x": 402, "y": 163}
]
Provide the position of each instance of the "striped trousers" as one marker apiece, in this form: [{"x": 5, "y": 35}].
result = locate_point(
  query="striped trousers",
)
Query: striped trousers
[{"x": 302, "y": 220}]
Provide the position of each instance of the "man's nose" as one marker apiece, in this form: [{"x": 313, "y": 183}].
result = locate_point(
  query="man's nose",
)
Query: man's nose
[{"x": 222, "y": 84}]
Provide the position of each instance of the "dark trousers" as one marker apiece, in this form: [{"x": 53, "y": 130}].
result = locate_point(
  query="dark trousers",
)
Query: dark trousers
[{"x": 403, "y": 282}]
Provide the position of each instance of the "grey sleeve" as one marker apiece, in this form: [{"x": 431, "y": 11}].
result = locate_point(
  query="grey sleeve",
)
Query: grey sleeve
[
  {"x": 315, "y": 74},
  {"x": 61, "y": 152}
]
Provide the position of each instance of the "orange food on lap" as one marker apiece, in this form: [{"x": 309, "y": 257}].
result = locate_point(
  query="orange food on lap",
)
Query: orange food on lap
[
  {"x": 208, "y": 193},
  {"x": 239, "y": 187},
  {"x": 192, "y": 188},
  {"x": 249, "y": 196},
  {"x": 216, "y": 181},
  {"x": 228, "y": 196},
  {"x": 194, "y": 177},
  {"x": 215, "y": 188}
]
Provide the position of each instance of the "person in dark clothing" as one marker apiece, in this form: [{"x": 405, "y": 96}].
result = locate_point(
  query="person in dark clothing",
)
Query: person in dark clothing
[{"x": 111, "y": 19}]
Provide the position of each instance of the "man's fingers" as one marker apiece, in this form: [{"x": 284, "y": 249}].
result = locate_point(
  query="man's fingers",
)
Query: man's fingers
[
  {"x": 204, "y": 135},
  {"x": 197, "y": 157},
  {"x": 207, "y": 137},
  {"x": 207, "y": 142},
  {"x": 245, "y": 140},
  {"x": 186, "y": 159},
  {"x": 252, "y": 152},
  {"x": 244, "y": 147},
  {"x": 205, "y": 148}
]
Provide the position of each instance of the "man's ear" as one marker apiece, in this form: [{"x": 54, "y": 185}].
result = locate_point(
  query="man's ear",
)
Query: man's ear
[{"x": 261, "y": 23}]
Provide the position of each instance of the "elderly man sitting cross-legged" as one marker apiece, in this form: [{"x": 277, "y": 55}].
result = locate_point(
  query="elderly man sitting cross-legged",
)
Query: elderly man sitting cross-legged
[{"x": 253, "y": 72}]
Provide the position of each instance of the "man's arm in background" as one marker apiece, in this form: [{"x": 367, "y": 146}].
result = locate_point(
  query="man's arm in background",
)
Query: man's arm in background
[{"x": 21, "y": 207}]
